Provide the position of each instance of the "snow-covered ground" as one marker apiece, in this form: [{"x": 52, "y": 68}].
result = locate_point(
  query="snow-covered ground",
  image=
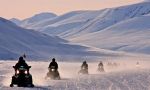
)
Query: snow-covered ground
[{"x": 124, "y": 75}]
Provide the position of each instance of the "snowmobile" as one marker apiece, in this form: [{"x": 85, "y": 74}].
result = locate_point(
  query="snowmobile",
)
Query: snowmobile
[
  {"x": 53, "y": 73},
  {"x": 22, "y": 78},
  {"x": 101, "y": 69},
  {"x": 137, "y": 64},
  {"x": 83, "y": 70}
]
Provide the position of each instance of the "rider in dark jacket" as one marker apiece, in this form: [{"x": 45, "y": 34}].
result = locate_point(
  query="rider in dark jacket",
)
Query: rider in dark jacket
[
  {"x": 53, "y": 63},
  {"x": 21, "y": 62},
  {"x": 84, "y": 65},
  {"x": 100, "y": 64}
]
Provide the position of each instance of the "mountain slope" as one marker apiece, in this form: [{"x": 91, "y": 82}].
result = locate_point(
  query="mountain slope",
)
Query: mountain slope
[
  {"x": 79, "y": 23},
  {"x": 64, "y": 23},
  {"x": 112, "y": 16},
  {"x": 131, "y": 35},
  {"x": 27, "y": 23},
  {"x": 117, "y": 23},
  {"x": 16, "y": 21},
  {"x": 62, "y": 27},
  {"x": 16, "y": 41}
]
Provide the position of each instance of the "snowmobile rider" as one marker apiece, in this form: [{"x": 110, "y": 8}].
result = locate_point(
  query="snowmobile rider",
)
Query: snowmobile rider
[
  {"x": 21, "y": 62},
  {"x": 84, "y": 65},
  {"x": 100, "y": 64},
  {"x": 53, "y": 63}
]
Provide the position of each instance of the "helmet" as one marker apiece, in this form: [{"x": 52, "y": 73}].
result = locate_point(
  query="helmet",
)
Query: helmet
[
  {"x": 84, "y": 62},
  {"x": 20, "y": 58},
  {"x": 53, "y": 60}
]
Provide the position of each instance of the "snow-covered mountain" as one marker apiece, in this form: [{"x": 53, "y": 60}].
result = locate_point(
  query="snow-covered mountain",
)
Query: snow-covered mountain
[
  {"x": 146, "y": 0},
  {"x": 87, "y": 26},
  {"x": 27, "y": 23},
  {"x": 15, "y": 41},
  {"x": 77, "y": 23},
  {"x": 76, "y": 20},
  {"x": 132, "y": 35},
  {"x": 16, "y": 21},
  {"x": 112, "y": 16},
  {"x": 63, "y": 23}
]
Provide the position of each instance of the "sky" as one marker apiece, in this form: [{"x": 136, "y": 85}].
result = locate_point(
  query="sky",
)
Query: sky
[{"x": 26, "y": 8}]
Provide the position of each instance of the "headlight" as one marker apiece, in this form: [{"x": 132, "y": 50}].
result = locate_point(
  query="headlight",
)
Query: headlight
[
  {"x": 17, "y": 72},
  {"x": 53, "y": 69},
  {"x": 25, "y": 72}
]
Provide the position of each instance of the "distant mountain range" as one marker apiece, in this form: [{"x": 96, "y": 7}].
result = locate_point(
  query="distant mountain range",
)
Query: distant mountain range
[
  {"x": 15, "y": 41},
  {"x": 124, "y": 28}
]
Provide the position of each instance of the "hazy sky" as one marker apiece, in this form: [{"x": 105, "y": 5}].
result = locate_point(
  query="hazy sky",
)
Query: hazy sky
[{"x": 26, "y": 8}]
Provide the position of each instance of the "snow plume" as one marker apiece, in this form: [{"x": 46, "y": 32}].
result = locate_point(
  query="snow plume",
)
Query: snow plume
[{"x": 122, "y": 73}]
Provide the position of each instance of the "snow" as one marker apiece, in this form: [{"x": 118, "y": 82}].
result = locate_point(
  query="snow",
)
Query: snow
[
  {"x": 146, "y": 0},
  {"x": 16, "y": 41},
  {"x": 118, "y": 23},
  {"x": 113, "y": 16},
  {"x": 117, "y": 36},
  {"x": 34, "y": 19},
  {"x": 127, "y": 75},
  {"x": 66, "y": 22},
  {"x": 77, "y": 23},
  {"x": 137, "y": 29},
  {"x": 16, "y": 21},
  {"x": 41, "y": 24}
]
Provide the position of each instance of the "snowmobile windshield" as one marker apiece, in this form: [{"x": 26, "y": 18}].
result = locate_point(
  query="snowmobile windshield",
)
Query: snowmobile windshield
[
  {"x": 53, "y": 67},
  {"x": 22, "y": 68}
]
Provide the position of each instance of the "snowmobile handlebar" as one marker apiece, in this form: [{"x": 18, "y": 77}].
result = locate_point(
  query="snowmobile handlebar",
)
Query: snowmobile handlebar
[
  {"x": 28, "y": 67},
  {"x": 51, "y": 67}
]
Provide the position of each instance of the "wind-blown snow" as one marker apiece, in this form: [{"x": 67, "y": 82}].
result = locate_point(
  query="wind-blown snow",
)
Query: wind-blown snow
[{"x": 125, "y": 75}]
